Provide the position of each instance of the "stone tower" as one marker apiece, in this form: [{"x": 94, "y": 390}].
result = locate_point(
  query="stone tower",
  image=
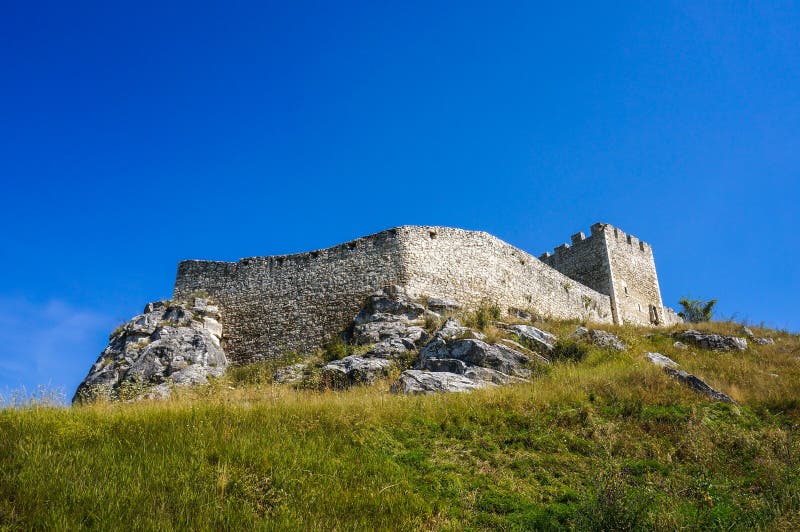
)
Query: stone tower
[{"x": 618, "y": 265}]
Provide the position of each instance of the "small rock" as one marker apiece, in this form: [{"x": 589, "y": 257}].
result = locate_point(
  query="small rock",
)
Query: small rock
[
  {"x": 747, "y": 332},
  {"x": 698, "y": 385},
  {"x": 680, "y": 345},
  {"x": 451, "y": 330},
  {"x": 660, "y": 360},
  {"x": 764, "y": 341},
  {"x": 521, "y": 314},
  {"x": 714, "y": 342},
  {"x": 418, "y": 381}
]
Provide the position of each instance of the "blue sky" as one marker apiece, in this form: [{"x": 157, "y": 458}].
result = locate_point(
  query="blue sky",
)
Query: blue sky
[{"x": 134, "y": 135}]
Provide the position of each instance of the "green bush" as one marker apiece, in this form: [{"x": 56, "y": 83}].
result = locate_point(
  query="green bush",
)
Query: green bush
[
  {"x": 483, "y": 317},
  {"x": 261, "y": 372},
  {"x": 567, "y": 350},
  {"x": 696, "y": 310},
  {"x": 336, "y": 349}
]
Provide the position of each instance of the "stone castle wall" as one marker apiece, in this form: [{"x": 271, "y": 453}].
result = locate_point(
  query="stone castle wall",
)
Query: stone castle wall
[
  {"x": 474, "y": 267},
  {"x": 620, "y": 265},
  {"x": 271, "y": 305}
]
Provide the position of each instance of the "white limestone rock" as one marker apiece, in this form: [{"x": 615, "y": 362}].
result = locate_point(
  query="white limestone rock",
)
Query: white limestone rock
[
  {"x": 670, "y": 367},
  {"x": 170, "y": 344},
  {"x": 660, "y": 360},
  {"x": 715, "y": 342},
  {"x": 354, "y": 370},
  {"x": 539, "y": 340},
  {"x": 417, "y": 382},
  {"x": 478, "y": 353},
  {"x": 599, "y": 338}
]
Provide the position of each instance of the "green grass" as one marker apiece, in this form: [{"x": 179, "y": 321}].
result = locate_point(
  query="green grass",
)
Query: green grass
[{"x": 607, "y": 443}]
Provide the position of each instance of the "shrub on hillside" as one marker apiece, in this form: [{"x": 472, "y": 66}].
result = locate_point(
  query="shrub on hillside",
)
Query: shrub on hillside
[
  {"x": 696, "y": 310},
  {"x": 567, "y": 350}
]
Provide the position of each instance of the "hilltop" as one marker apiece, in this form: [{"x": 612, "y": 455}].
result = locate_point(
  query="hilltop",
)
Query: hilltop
[{"x": 610, "y": 441}]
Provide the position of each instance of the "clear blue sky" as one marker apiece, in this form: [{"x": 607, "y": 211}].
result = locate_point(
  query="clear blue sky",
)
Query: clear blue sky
[{"x": 134, "y": 135}]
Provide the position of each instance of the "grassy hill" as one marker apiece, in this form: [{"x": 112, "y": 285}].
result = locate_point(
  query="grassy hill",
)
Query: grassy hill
[{"x": 608, "y": 443}]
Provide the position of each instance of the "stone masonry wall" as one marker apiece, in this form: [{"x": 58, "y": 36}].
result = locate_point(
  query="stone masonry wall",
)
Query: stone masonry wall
[
  {"x": 271, "y": 305},
  {"x": 585, "y": 261},
  {"x": 636, "y": 292},
  {"x": 619, "y": 265},
  {"x": 474, "y": 267}
]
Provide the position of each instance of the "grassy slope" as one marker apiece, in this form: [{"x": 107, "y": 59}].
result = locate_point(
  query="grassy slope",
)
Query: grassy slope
[{"x": 609, "y": 442}]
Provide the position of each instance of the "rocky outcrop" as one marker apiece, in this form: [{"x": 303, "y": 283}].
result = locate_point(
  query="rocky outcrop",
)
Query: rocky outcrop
[
  {"x": 538, "y": 340},
  {"x": 417, "y": 382},
  {"x": 170, "y": 344},
  {"x": 454, "y": 362},
  {"x": 390, "y": 326},
  {"x": 670, "y": 367},
  {"x": 714, "y": 342},
  {"x": 391, "y": 323},
  {"x": 478, "y": 353},
  {"x": 598, "y": 337}
]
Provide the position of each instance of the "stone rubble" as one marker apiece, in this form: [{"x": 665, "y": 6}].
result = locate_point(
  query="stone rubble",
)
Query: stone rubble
[{"x": 172, "y": 343}]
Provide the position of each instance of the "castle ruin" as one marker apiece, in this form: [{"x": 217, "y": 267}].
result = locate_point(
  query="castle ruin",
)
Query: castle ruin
[{"x": 297, "y": 302}]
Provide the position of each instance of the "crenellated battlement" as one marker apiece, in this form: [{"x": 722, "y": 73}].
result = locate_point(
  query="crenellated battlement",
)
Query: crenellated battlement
[
  {"x": 616, "y": 263},
  {"x": 599, "y": 230}
]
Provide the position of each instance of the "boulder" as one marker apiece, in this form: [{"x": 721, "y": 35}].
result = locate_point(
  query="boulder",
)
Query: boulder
[
  {"x": 670, "y": 367},
  {"x": 475, "y": 373},
  {"x": 598, "y": 337},
  {"x": 391, "y": 348},
  {"x": 353, "y": 370},
  {"x": 478, "y": 353},
  {"x": 376, "y": 331},
  {"x": 715, "y": 342},
  {"x": 698, "y": 385},
  {"x": 392, "y": 300},
  {"x": 173, "y": 343},
  {"x": 418, "y": 381},
  {"x": 539, "y": 340}
]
